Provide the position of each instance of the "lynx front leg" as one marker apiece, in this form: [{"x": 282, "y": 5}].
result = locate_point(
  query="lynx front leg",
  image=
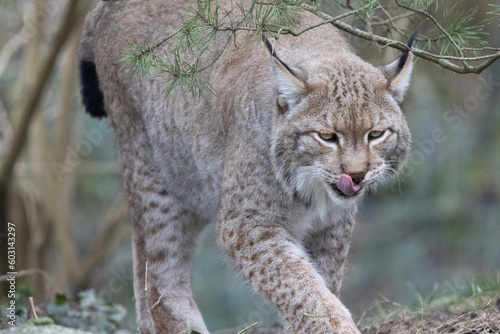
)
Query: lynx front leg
[
  {"x": 163, "y": 243},
  {"x": 328, "y": 250},
  {"x": 280, "y": 270},
  {"x": 255, "y": 225}
]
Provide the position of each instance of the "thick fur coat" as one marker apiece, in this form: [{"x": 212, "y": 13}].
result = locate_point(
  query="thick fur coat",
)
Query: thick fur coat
[{"x": 277, "y": 158}]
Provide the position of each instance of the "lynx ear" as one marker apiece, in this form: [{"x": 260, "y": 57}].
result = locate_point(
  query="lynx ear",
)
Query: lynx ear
[
  {"x": 398, "y": 73},
  {"x": 290, "y": 80}
]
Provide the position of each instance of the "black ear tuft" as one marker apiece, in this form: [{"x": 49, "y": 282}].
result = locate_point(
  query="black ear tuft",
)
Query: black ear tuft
[
  {"x": 273, "y": 54},
  {"x": 92, "y": 97},
  {"x": 404, "y": 56},
  {"x": 290, "y": 81},
  {"x": 398, "y": 73},
  {"x": 269, "y": 47}
]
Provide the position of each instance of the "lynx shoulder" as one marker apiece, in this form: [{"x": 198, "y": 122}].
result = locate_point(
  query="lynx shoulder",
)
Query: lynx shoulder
[{"x": 296, "y": 133}]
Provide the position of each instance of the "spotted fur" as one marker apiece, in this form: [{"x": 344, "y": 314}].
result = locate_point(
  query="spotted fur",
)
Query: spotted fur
[{"x": 250, "y": 159}]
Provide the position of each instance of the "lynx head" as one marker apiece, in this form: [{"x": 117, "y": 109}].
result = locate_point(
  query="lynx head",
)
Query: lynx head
[{"x": 339, "y": 130}]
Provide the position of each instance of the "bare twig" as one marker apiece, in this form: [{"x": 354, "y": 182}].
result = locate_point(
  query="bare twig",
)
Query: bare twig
[
  {"x": 146, "y": 277},
  {"x": 247, "y": 328},
  {"x": 146, "y": 292},
  {"x": 329, "y": 21},
  {"x": 33, "y": 307},
  {"x": 156, "y": 303},
  {"x": 392, "y": 19},
  {"x": 486, "y": 48}
]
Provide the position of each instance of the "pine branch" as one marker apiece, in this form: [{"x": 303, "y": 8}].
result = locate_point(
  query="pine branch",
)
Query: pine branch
[
  {"x": 275, "y": 18},
  {"x": 442, "y": 60}
]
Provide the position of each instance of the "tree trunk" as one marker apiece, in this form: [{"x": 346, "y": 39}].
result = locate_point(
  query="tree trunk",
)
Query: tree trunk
[{"x": 25, "y": 106}]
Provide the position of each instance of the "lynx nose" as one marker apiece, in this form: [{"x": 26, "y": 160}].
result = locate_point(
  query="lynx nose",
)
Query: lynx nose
[
  {"x": 357, "y": 177},
  {"x": 357, "y": 172}
]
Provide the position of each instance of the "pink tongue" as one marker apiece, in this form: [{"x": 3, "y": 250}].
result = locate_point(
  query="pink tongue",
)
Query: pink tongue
[{"x": 346, "y": 185}]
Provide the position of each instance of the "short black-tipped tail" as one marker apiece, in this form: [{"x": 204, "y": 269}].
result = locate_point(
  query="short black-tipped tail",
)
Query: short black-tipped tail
[{"x": 92, "y": 97}]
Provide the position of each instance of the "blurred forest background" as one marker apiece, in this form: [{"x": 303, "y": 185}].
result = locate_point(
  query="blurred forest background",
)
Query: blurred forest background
[{"x": 439, "y": 221}]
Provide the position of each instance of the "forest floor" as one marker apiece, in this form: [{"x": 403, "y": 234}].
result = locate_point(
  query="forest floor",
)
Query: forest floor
[
  {"x": 467, "y": 307},
  {"x": 476, "y": 315},
  {"x": 479, "y": 314},
  {"x": 470, "y": 308}
]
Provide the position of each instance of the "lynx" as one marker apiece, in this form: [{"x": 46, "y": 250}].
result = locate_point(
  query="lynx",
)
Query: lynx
[{"x": 277, "y": 158}]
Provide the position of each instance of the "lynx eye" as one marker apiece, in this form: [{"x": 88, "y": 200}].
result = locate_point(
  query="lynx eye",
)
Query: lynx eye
[
  {"x": 330, "y": 137},
  {"x": 375, "y": 134}
]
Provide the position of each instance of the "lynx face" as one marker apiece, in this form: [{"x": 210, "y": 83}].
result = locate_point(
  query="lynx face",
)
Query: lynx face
[{"x": 338, "y": 134}]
